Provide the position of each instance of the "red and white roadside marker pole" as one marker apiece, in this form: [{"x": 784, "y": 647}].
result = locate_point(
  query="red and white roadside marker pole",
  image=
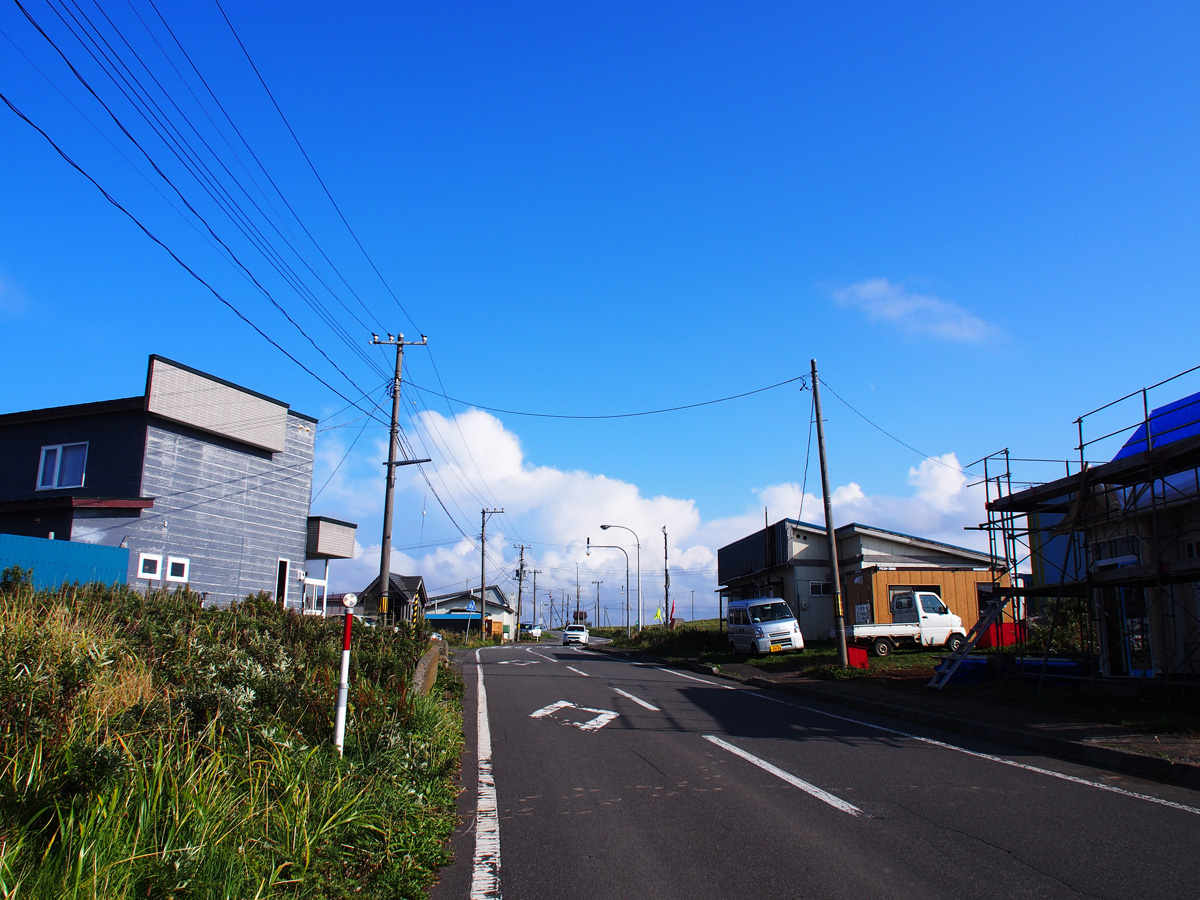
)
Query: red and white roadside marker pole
[{"x": 339, "y": 728}]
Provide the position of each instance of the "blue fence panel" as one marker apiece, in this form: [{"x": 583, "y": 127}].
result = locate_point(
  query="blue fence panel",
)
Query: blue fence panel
[{"x": 58, "y": 562}]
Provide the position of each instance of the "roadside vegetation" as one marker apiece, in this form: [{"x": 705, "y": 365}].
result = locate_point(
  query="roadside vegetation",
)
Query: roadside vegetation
[{"x": 151, "y": 748}]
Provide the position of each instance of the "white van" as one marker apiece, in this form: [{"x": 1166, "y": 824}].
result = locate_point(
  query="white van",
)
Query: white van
[{"x": 762, "y": 625}]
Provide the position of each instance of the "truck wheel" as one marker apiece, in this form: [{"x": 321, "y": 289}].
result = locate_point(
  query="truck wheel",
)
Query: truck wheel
[
  {"x": 954, "y": 642},
  {"x": 882, "y": 647},
  {"x": 733, "y": 648}
]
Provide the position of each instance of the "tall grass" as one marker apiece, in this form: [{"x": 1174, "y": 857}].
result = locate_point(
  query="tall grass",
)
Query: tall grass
[{"x": 151, "y": 748}]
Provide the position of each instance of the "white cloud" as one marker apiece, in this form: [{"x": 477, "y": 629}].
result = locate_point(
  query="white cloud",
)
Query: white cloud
[
  {"x": 916, "y": 315},
  {"x": 556, "y": 510}
]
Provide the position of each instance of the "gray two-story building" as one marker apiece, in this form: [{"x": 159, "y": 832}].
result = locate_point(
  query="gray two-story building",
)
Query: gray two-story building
[{"x": 205, "y": 483}]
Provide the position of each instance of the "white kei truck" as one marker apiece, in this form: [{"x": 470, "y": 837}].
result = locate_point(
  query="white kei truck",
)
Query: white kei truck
[{"x": 919, "y": 618}]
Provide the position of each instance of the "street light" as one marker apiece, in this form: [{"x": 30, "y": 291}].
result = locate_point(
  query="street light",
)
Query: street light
[
  {"x": 641, "y": 620},
  {"x": 590, "y": 546}
]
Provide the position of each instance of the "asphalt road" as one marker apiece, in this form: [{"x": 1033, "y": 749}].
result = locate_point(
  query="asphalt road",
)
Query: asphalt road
[{"x": 591, "y": 776}]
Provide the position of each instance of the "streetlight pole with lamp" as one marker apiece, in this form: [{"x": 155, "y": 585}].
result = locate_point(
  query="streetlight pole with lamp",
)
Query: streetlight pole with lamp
[
  {"x": 641, "y": 620},
  {"x": 590, "y": 545}
]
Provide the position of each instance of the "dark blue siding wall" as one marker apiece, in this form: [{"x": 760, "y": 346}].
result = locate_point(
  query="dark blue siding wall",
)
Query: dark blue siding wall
[
  {"x": 114, "y": 460},
  {"x": 233, "y": 511}
]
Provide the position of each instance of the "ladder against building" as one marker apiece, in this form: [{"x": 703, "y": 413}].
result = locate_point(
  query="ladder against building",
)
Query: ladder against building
[{"x": 988, "y": 616}]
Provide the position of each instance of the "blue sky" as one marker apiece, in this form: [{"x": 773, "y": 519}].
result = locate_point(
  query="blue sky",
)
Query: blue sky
[{"x": 982, "y": 222}]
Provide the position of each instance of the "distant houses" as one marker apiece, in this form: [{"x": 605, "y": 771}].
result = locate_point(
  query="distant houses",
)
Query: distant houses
[
  {"x": 460, "y": 611},
  {"x": 199, "y": 481}
]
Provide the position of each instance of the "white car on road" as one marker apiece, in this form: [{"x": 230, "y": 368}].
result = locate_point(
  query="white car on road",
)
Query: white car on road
[{"x": 575, "y": 634}]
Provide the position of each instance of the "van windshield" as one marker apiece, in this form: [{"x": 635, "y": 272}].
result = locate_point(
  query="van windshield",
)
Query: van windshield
[{"x": 770, "y": 612}]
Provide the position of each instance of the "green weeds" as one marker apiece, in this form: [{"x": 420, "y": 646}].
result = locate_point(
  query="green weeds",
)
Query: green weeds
[{"x": 152, "y": 748}]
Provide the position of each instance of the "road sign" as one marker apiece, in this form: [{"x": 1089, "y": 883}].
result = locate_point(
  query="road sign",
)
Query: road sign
[{"x": 471, "y": 606}]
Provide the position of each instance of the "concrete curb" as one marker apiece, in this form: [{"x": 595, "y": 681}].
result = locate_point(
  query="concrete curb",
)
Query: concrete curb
[
  {"x": 425, "y": 675},
  {"x": 1135, "y": 764}
]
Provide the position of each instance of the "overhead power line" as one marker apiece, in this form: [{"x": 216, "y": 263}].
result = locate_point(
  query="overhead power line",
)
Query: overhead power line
[
  {"x": 146, "y": 231},
  {"x": 629, "y": 415}
]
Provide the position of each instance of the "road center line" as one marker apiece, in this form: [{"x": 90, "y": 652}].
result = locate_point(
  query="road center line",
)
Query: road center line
[
  {"x": 577, "y": 672},
  {"x": 811, "y": 789},
  {"x": 638, "y": 700},
  {"x": 1075, "y": 779},
  {"x": 485, "y": 876}
]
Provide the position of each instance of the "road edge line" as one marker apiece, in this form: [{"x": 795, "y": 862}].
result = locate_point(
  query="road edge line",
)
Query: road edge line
[{"x": 485, "y": 874}]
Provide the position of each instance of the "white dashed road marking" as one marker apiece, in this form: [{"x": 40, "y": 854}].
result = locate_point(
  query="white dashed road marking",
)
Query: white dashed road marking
[
  {"x": 638, "y": 700},
  {"x": 811, "y": 789}
]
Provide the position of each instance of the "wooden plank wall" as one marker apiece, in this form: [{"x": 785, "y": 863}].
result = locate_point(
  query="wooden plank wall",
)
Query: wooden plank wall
[{"x": 958, "y": 590}]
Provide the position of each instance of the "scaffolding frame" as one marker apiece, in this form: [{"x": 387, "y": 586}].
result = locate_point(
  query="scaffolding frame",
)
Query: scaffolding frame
[{"x": 1124, "y": 536}]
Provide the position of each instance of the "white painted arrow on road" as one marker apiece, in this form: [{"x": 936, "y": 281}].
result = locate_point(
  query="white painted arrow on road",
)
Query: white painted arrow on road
[{"x": 603, "y": 716}]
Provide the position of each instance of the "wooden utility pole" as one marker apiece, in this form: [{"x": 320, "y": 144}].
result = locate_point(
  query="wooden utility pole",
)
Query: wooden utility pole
[
  {"x": 666, "y": 584},
  {"x": 597, "y": 584},
  {"x": 385, "y": 553},
  {"x": 535, "y": 574},
  {"x": 483, "y": 567},
  {"x": 520, "y": 584},
  {"x": 839, "y": 617}
]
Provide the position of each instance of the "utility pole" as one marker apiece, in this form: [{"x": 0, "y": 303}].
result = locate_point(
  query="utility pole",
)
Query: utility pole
[
  {"x": 839, "y": 616},
  {"x": 483, "y": 566},
  {"x": 520, "y": 584},
  {"x": 666, "y": 584},
  {"x": 535, "y": 573},
  {"x": 385, "y": 552},
  {"x": 693, "y": 606},
  {"x": 597, "y": 584},
  {"x": 576, "y": 619}
]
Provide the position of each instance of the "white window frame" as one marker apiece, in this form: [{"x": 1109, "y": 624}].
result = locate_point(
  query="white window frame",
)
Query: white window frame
[
  {"x": 158, "y": 572},
  {"x": 823, "y": 589},
  {"x": 187, "y": 569},
  {"x": 58, "y": 457}
]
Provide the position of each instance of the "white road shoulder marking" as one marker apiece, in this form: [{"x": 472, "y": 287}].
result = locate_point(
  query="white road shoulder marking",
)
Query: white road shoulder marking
[
  {"x": 1075, "y": 779},
  {"x": 485, "y": 876},
  {"x": 810, "y": 789},
  {"x": 638, "y": 700},
  {"x": 694, "y": 678}
]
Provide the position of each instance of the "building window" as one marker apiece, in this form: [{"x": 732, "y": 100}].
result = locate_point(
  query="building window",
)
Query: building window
[
  {"x": 820, "y": 588},
  {"x": 178, "y": 568},
  {"x": 281, "y": 581},
  {"x": 150, "y": 566},
  {"x": 62, "y": 466}
]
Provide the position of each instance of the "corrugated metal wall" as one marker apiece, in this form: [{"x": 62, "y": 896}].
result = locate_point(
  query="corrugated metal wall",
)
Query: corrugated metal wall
[
  {"x": 233, "y": 511},
  {"x": 762, "y": 549},
  {"x": 64, "y": 562}
]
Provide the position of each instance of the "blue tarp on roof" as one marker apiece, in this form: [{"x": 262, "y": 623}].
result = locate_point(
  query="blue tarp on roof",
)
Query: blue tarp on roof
[{"x": 1168, "y": 424}]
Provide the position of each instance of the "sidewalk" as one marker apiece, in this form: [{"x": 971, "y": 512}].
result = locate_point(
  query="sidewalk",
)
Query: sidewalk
[{"x": 1167, "y": 758}]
